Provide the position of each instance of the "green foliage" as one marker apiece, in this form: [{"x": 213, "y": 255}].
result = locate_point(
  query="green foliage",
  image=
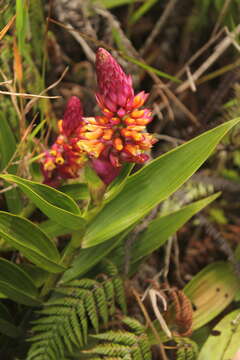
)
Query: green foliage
[
  {"x": 72, "y": 310},
  {"x": 151, "y": 69},
  {"x": 7, "y": 326},
  {"x": 211, "y": 291},
  {"x": 7, "y": 149},
  {"x": 142, "y": 10},
  {"x": 120, "y": 344},
  {"x": 16, "y": 284},
  {"x": 226, "y": 344},
  {"x": 91, "y": 256},
  {"x": 203, "y": 7},
  {"x": 113, "y": 3},
  {"x": 157, "y": 181},
  {"x": 186, "y": 349},
  {"x": 152, "y": 239},
  {"x": 25, "y": 236},
  {"x": 55, "y": 204}
]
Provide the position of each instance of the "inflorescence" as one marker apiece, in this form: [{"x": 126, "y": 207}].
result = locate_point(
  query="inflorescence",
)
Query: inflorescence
[{"x": 108, "y": 141}]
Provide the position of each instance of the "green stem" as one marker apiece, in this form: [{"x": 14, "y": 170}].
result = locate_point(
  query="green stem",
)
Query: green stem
[
  {"x": 66, "y": 259},
  {"x": 28, "y": 210}
]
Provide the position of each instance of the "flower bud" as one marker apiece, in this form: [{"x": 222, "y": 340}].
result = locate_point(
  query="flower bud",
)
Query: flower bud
[
  {"x": 72, "y": 117},
  {"x": 115, "y": 87}
]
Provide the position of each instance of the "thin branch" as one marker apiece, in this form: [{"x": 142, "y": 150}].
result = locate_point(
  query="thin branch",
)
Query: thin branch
[
  {"x": 25, "y": 95},
  {"x": 6, "y": 82},
  {"x": 168, "y": 250},
  {"x": 221, "y": 47},
  {"x": 27, "y": 131},
  {"x": 8, "y": 188},
  {"x": 150, "y": 324},
  {"x": 221, "y": 16},
  {"x": 197, "y": 54},
  {"x": 190, "y": 78},
  {"x": 32, "y": 102},
  {"x": 158, "y": 26},
  {"x": 13, "y": 97},
  {"x": 233, "y": 40}
]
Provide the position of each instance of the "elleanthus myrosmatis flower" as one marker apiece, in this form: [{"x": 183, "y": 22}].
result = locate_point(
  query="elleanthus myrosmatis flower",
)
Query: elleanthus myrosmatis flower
[
  {"x": 108, "y": 141},
  {"x": 120, "y": 134},
  {"x": 65, "y": 159}
]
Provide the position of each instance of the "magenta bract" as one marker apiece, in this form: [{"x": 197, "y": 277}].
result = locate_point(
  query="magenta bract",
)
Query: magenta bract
[
  {"x": 115, "y": 87},
  {"x": 73, "y": 116}
]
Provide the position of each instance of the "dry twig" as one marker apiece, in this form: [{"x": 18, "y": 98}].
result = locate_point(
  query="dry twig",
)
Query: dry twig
[
  {"x": 220, "y": 48},
  {"x": 150, "y": 324},
  {"x": 158, "y": 27}
]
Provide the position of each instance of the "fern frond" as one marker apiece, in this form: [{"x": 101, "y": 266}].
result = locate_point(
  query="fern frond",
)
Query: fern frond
[
  {"x": 72, "y": 311},
  {"x": 187, "y": 349},
  {"x": 134, "y": 325},
  {"x": 120, "y": 337},
  {"x": 122, "y": 344},
  {"x": 109, "y": 350},
  {"x": 110, "y": 295}
]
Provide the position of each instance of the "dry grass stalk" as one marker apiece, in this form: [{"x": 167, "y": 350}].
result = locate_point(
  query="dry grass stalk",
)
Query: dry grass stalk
[{"x": 219, "y": 50}]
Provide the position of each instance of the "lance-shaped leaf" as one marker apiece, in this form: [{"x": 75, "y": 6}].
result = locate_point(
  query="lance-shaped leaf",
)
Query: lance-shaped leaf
[
  {"x": 76, "y": 191},
  {"x": 160, "y": 229},
  {"x": 7, "y": 149},
  {"x": 211, "y": 291},
  {"x": 7, "y": 326},
  {"x": 118, "y": 183},
  {"x": 16, "y": 284},
  {"x": 30, "y": 240},
  {"x": 55, "y": 204},
  {"x": 53, "y": 229},
  {"x": 91, "y": 256},
  {"x": 226, "y": 343},
  {"x": 153, "y": 184}
]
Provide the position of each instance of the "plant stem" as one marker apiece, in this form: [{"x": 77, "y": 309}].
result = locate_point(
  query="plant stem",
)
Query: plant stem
[
  {"x": 66, "y": 259},
  {"x": 28, "y": 210}
]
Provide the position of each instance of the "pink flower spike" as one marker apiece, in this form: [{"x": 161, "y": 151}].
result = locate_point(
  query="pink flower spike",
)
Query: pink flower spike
[
  {"x": 73, "y": 116},
  {"x": 115, "y": 87}
]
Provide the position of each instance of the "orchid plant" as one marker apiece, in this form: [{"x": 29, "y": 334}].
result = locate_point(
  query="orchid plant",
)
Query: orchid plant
[{"x": 76, "y": 282}]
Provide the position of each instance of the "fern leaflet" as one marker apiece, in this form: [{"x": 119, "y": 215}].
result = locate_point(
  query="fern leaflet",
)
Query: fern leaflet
[{"x": 72, "y": 311}]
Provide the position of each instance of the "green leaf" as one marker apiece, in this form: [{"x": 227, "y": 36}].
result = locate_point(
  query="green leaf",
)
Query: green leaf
[
  {"x": 53, "y": 229},
  {"x": 160, "y": 229},
  {"x": 76, "y": 191},
  {"x": 211, "y": 291},
  {"x": 55, "y": 204},
  {"x": 16, "y": 284},
  {"x": 143, "y": 9},
  {"x": 7, "y": 142},
  {"x": 113, "y": 3},
  {"x": 153, "y": 184},
  {"x": 90, "y": 257},
  {"x": 151, "y": 69},
  {"x": 6, "y": 323},
  {"x": 225, "y": 345},
  {"x": 30, "y": 240},
  {"x": 7, "y": 149},
  {"x": 21, "y": 23},
  {"x": 118, "y": 184},
  {"x": 95, "y": 185},
  {"x": 38, "y": 276}
]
